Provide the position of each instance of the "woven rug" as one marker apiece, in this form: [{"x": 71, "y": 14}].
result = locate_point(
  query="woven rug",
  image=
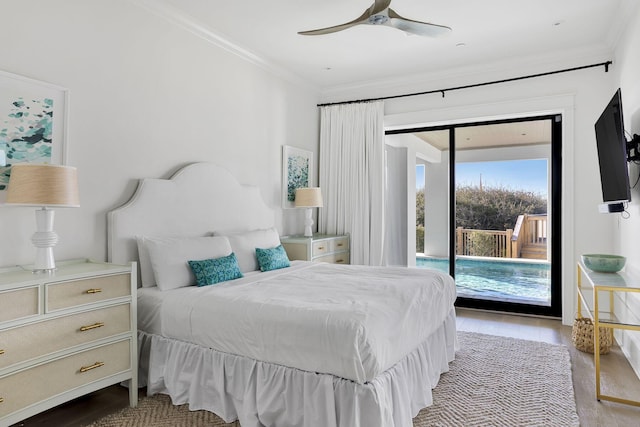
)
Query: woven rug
[{"x": 494, "y": 381}]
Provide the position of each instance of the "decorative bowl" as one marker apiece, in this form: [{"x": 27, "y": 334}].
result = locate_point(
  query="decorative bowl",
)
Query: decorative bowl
[{"x": 603, "y": 263}]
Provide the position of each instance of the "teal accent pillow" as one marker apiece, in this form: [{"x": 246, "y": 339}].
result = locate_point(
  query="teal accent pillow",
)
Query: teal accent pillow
[
  {"x": 272, "y": 259},
  {"x": 215, "y": 270}
]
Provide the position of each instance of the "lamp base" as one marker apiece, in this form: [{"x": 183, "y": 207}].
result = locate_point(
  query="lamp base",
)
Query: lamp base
[
  {"x": 44, "y": 239},
  {"x": 308, "y": 222}
]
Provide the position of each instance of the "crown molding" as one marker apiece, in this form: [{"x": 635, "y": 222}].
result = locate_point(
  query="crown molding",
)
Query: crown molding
[{"x": 197, "y": 28}]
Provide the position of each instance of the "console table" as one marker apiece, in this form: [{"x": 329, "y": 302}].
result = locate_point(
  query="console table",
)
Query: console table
[{"x": 602, "y": 312}]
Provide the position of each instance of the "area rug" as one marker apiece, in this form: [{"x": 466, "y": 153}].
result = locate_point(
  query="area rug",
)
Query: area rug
[
  {"x": 494, "y": 381},
  {"x": 508, "y": 382}
]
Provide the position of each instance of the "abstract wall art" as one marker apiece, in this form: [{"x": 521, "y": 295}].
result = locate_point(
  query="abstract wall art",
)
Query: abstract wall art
[
  {"x": 33, "y": 118},
  {"x": 297, "y": 172}
]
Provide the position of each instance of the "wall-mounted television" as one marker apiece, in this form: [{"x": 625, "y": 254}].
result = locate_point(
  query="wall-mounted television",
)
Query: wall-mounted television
[{"x": 612, "y": 156}]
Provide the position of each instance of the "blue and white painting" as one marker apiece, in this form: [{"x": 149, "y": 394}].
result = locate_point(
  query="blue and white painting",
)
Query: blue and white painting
[
  {"x": 297, "y": 167},
  {"x": 298, "y": 173},
  {"x": 31, "y": 123}
]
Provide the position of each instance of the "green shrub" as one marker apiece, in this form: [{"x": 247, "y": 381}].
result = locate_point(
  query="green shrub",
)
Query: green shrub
[
  {"x": 489, "y": 208},
  {"x": 495, "y": 208},
  {"x": 420, "y": 239},
  {"x": 482, "y": 244}
]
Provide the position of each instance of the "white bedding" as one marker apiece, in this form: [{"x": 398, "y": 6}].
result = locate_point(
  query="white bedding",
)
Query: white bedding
[{"x": 353, "y": 322}]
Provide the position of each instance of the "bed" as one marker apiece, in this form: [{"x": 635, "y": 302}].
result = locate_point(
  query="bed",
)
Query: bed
[{"x": 298, "y": 344}]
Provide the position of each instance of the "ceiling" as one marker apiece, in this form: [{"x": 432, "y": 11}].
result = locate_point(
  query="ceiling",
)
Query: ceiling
[
  {"x": 535, "y": 132},
  {"x": 484, "y": 32}
]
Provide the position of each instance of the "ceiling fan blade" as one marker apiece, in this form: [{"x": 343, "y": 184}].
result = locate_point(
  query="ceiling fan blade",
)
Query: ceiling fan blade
[
  {"x": 377, "y": 7},
  {"x": 416, "y": 27},
  {"x": 333, "y": 29}
]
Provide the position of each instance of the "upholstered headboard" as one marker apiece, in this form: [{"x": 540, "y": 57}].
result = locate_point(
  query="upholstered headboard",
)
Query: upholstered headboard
[{"x": 199, "y": 199}]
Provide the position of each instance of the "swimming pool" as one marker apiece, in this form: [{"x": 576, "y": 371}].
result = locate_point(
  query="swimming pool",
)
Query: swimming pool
[{"x": 495, "y": 279}]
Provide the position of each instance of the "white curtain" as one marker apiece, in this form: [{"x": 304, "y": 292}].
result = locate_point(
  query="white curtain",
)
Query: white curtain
[{"x": 352, "y": 177}]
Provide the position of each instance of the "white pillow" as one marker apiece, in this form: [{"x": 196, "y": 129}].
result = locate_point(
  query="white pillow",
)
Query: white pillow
[
  {"x": 146, "y": 271},
  {"x": 169, "y": 257},
  {"x": 244, "y": 244}
]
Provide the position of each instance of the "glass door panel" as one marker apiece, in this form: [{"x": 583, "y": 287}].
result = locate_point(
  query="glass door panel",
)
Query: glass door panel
[{"x": 502, "y": 182}]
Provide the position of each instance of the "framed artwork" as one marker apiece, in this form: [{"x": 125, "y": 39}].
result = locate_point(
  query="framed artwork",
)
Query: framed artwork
[
  {"x": 297, "y": 170},
  {"x": 33, "y": 124}
]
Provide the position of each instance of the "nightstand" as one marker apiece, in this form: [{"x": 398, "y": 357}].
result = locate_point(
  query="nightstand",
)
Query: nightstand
[
  {"x": 320, "y": 248},
  {"x": 65, "y": 334}
]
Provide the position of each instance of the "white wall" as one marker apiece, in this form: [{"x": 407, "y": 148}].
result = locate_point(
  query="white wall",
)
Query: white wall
[
  {"x": 627, "y": 231},
  {"x": 398, "y": 212},
  {"x": 146, "y": 97},
  {"x": 436, "y": 207},
  {"x": 404, "y": 176}
]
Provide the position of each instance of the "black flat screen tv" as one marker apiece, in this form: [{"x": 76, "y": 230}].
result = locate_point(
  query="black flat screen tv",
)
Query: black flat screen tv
[{"x": 612, "y": 154}]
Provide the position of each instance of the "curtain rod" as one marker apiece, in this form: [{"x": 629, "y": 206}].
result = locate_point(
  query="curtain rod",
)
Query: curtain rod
[{"x": 442, "y": 91}]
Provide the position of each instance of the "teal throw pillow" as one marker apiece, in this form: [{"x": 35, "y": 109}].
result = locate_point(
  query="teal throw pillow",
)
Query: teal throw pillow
[
  {"x": 272, "y": 259},
  {"x": 216, "y": 270}
]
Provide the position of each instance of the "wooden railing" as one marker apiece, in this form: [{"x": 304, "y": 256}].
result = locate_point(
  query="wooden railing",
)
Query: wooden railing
[
  {"x": 530, "y": 231},
  {"x": 490, "y": 243}
]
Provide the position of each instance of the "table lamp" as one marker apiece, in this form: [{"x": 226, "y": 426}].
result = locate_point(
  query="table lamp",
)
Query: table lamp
[
  {"x": 308, "y": 198},
  {"x": 45, "y": 186}
]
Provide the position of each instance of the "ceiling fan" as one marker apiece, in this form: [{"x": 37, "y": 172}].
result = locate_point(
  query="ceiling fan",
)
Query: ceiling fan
[{"x": 381, "y": 14}]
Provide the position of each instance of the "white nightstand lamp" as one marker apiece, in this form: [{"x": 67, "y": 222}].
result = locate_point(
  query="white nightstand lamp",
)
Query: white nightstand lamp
[
  {"x": 308, "y": 198},
  {"x": 43, "y": 186}
]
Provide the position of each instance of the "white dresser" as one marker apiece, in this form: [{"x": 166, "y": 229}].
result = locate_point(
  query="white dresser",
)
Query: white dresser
[
  {"x": 320, "y": 247},
  {"x": 65, "y": 334}
]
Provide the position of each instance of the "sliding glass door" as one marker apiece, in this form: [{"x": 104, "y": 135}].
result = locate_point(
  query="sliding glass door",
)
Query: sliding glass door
[{"x": 489, "y": 196}]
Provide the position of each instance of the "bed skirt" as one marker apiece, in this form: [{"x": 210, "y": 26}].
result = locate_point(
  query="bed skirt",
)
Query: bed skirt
[{"x": 261, "y": 394}]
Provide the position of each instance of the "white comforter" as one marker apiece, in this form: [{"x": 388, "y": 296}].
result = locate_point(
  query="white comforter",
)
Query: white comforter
[{"x": 350, "y": 321}]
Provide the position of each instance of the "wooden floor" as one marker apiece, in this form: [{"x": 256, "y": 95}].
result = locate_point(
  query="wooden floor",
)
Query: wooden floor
[{"x": 617, "y": 375}]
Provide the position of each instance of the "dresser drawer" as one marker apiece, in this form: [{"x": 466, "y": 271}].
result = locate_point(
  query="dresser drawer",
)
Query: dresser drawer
[
  {"x": 84, "y": 291},
  {"x": 41, "y": 382},
  {"x": 320, "y": 247},
  {"x": 42, "y": 338},
  {"x": 335, "y": 258},
  {"x": 339, "y": 244},
  {"x": 19, "y": 303}
]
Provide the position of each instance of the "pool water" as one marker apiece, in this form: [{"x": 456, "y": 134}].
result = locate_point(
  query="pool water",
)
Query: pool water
[{"x": 512, "y": 281}]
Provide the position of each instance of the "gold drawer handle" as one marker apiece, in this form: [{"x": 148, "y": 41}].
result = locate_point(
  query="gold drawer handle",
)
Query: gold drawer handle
[
  {"x": 94, "y": 326},
  {"x": 340, "y": 245},
  {"x": 94, "y": 366},
  {"x": 1, "y": 352},
  {"x": 94, "y": 291},
  {"x": 1, "y": 399},
  {"x": 338, "y": 261},
  {"x": 320, "y": 248}
]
